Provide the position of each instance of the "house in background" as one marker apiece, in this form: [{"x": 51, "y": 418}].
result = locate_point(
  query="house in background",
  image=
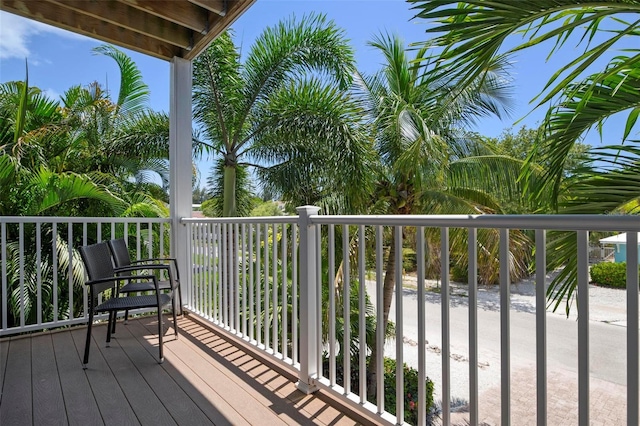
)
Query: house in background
[{"x": 619, "y": 245}]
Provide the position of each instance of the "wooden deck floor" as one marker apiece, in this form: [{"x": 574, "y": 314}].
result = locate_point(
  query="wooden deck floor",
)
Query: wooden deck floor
[{"x": 204, "y": 380}]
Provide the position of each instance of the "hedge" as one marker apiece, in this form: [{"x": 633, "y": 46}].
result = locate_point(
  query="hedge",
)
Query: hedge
[{"x": 608, "y": 274}]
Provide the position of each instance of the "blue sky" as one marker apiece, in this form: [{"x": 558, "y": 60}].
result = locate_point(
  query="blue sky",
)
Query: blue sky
[{"x": 59, "y": 59}]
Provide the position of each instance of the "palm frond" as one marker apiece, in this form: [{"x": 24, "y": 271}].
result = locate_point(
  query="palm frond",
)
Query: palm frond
[
  {"x": 471, "y": 33},
  {"x": 585, "y": 106},
  {"x": 612, "y": 185},
  {"x": 498, "y": 175},
  {"x": 316, "y": 148},
  {"x": 134, "y": 93},
  {"x": 145, "y": 134},
  {"x": 57, "y": 189},
  {"x": 217, "y": 91}
]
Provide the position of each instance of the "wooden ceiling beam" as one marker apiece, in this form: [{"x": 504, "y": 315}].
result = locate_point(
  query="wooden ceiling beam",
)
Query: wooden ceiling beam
[
  {"x": 132, "y": 19},
  {"x": 235, "y": 8},
  {"x": 215, "y": 6},
  {"x": 159, "y": 28},
  {"x": 179, "y": 12},
  {"x": 49, "y": 13}
]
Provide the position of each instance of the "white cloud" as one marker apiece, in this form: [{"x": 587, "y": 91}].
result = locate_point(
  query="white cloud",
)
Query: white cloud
[
  {"x": 16, "y": 33},
  {"x": 52, "y": 94}
]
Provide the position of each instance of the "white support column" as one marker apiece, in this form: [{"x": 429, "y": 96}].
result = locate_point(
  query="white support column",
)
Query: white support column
[
  {"x": 180, "y": 162},
  {"x": 308, "y": 302}
]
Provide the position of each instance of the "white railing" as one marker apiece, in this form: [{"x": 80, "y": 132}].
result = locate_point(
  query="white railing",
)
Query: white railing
[
  {"x": 244, "y": 268},
  {"x": 237, "y": 279},
  {"x": 279, "y": 284},
  {"x": 42, "y": 284}
]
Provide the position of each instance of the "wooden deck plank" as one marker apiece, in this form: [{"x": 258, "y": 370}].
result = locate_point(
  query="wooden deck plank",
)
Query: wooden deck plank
[
  {"x": 205, "y": 379},
  {"x": 183, "y": 410},
  {"x": 48, "y": 404},
  {"x": 211, "y": 371},
  {"x": 80, "y": 403},
  {"x": 111, "y": 401},
  {"x": 204, "y": 394},
  {"x": 256, "y": 378},
  {"x": 318, "y": 412},
  {"x": 144, "y": 402},
  {"x": 4, "y": 352},
  {"x": 16, "y": 407}
]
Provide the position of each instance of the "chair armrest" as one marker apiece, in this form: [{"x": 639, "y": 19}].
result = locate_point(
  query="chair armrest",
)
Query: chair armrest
[
  {"x": 117, "y": 278},
  {"x": 161, "y": 259},
  {"x": 154, "y": 259},
  {"x": 142, "y": 267}
]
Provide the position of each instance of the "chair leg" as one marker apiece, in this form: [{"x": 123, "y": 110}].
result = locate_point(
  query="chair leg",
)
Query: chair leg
[
  {"x": 160, "y": 335},
  {"x": 87, "y": 344},
  {"x": 113, "y": 327},
  {"x": 112, "y": 320},
  {"x": 126, "y": 317},
  {"x": 180, "y": 294},
  {"x": 175, "y": 321}
]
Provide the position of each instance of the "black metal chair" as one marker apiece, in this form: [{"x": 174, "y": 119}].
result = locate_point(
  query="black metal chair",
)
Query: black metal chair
[
  {"x": 124, "y": 264},
  {"x": 102, "y": 278}
]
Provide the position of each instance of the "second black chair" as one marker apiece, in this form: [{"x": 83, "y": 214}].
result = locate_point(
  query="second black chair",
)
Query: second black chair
[{"x": 124, "y": 264}]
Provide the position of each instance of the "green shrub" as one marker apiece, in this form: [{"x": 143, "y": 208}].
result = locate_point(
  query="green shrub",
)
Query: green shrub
[
  {"x": 409, "y": 263},
  {"x": 411, "y": 380},
  {"x": 609, "y": 274},
  {"x": 459, "y": 274}
]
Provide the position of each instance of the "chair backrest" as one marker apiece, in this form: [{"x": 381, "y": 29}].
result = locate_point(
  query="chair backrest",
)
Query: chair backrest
[
  {"x": 98, "y": 263},
  {"x": 120, "y": 252},
  {"x": 121, "y": 258}
]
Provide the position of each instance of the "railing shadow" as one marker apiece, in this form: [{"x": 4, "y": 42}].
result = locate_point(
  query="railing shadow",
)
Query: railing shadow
[{"x": 287, "y": 403}]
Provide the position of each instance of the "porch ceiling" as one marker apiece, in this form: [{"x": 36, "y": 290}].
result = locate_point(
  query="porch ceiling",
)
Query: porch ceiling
[{"x": 160, "y": 28}]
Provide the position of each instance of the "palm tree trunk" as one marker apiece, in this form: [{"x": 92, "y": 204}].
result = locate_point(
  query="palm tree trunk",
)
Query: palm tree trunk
[
  {"x": 229, "y": 210},
  {"x": 229, "y": 204},
  {"x": 232, "y": 256},
  {"x": 389, "y": 285}
]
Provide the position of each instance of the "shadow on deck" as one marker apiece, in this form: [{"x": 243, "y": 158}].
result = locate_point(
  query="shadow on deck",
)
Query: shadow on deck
[{"x": 205, "y": 379}]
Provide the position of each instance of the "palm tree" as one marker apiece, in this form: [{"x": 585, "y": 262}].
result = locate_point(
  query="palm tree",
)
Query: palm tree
[
  {"x": 251, "y": 112},
  {"x": 119, "y": 138},
  {"x": 474, "y": 32},
  {"x": 418, "y": 144}
]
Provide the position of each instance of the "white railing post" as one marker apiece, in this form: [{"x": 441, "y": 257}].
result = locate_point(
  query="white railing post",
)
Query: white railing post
[
  {"x": 632, "y": 328},
  {"x": 308, "y": 302},
  {"x": 583, "y": 327}
]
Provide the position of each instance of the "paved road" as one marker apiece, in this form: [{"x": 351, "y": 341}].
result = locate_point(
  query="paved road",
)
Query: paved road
[{"x": 607, "y": 339}]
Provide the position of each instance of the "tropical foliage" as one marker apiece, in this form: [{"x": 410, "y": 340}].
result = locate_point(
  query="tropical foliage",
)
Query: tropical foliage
[
  {"x": 86, "y": 155},
  {"x": 609, "y": 274},
  {"x": 415, "y": 157},
  {"x": 471, "y": 34}
]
